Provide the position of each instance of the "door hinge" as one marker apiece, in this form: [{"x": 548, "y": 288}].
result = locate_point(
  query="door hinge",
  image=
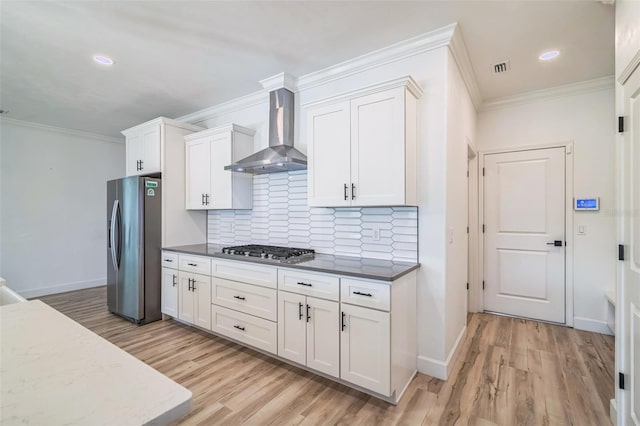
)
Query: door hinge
[
  {"x": 621, "y": 381},
  {"x": 467, "y": 286},
  {"x": 483, "y": 228},
  {"x": 483, "y": 171},
  {"x": 483, "y": 284},
  {"x": 620, "y": 124},
  {"x": 621, "y": 252}
]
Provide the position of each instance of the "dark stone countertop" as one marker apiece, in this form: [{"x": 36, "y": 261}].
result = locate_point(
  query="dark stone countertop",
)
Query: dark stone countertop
[{"x": 360, "y": 267}]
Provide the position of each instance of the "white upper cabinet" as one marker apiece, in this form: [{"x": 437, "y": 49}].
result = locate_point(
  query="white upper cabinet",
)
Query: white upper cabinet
[
  {"x": 208, "y": 184},
  {"x": 157, "y": 146},
  {"x": 362, "y": 147},
  {"x": 143, "y": 149}
]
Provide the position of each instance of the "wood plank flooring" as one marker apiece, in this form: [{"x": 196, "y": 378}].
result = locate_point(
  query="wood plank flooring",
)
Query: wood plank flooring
[{"x": 509, "y": 372}]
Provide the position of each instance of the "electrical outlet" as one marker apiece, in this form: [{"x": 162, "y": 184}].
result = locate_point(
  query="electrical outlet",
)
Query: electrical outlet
[{"x": 373, "y": 232}]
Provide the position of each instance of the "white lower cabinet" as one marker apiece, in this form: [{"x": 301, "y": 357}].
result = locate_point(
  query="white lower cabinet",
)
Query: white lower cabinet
[
  {"x": 308, "y": 332},
  {"x": 360, "y": 331},
  {"x": 169, "y": 292},
  {"x": 194, "y": 301},
  {"x": 365, "y": 348},
  {"x": 245, "y": 328}
]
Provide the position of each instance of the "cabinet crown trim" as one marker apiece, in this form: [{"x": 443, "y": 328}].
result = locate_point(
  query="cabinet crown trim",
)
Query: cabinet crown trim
[
  {"x": 163, "y": 120},
  {"x": 406, "y": 81},
  {"x": 220, "y": 129}
]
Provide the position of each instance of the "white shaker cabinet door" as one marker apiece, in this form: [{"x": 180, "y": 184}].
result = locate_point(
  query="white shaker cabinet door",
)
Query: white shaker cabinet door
[
  {"x": 365, "y": 348},
  {"x": 329, "y": 175},
  {"x": 198, "y": 174},
  {"x": 186, "y": 298},
  {"x": 134, "y": 153},
  {"x": 169, "y": 294},
  {"x": 221, "y": 192},
  {"x": 151, "y": 141},
  {"x": 378, "y": 149},
  {"x": 323, "y": 340},
  {"x": 292, "y": 326},
  {"x": 202, "y": 301}
]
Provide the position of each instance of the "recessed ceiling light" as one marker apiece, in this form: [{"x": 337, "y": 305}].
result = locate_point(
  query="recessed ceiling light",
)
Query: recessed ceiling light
[
  {"x": 549, "y": 55},
  {"x": 103, "y": 60}
]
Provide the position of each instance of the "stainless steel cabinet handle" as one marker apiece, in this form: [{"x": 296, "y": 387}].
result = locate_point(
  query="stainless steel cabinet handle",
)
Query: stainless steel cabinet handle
[
  {"x": 304, "y": 284},
  {"x": 239, "y": 327},
  {"x": 353, "y": 191},
  {"x": 239, "y": 297},
  {"x": 362, "y": 294},
  {"x": 346, "y": 197}
]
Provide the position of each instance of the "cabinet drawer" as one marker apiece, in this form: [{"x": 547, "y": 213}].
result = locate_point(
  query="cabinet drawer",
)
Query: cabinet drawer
[
  {"x": 244, "y": 328},
  {"x": 370, "y": 294},
  {"x": 316, "y": 285},
  {"x": 196, "y": 264},
  {"x": 247, "y": 298},
  {"x": 169, "y": 260},
  {"x": 266, "y": 276}
]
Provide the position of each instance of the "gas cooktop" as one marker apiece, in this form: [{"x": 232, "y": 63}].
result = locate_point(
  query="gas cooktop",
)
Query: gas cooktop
[{"x": 280, "y": 254}]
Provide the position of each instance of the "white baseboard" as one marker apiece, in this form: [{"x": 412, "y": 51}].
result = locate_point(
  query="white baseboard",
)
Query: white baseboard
[
  {"x": 441, "y": 369},
  {"x": 588, "y": 324},
  {"x": 613, "y": 412},
  {"x": 61, "y": 288}
]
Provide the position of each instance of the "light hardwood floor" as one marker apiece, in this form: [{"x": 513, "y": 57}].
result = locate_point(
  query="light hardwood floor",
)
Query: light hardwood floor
[{"x": 509, "y": 372}]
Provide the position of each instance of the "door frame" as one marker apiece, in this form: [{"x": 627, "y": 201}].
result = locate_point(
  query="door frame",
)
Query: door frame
[{"x": 568, "y": 221}]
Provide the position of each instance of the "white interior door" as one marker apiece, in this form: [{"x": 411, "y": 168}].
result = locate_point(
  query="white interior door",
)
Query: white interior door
[
  {"x": 628, "y": 353},
  {"x": 524, "y": 239}
]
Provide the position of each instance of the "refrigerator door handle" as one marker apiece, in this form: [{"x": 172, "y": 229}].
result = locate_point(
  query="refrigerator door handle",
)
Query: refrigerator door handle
[{"x": 112, "y": 235}]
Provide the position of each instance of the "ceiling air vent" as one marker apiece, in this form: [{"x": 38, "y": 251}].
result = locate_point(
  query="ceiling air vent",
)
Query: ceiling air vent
[{"x": 501, "y": 67}]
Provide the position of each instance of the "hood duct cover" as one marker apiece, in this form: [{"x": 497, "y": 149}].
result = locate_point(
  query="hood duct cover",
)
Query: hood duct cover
[{"x": 280, "y": 156}]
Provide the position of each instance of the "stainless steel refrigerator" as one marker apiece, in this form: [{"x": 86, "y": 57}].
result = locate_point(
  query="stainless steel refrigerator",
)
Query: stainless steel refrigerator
[{"x": 134, "y": 240}]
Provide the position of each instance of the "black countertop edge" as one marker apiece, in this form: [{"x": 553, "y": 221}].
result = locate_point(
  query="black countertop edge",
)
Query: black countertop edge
[{"x": 358, "y": 267}]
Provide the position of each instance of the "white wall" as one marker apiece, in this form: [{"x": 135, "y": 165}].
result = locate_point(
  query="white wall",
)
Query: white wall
[
  {"x": 461, "y": 123},
  {"x": 589, "y": 121},
  {"x": 53, "y": 207}
]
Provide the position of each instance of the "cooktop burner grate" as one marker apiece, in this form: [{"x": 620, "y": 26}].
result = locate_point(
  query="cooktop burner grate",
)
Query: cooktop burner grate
[{"x": 268, "y": 252}]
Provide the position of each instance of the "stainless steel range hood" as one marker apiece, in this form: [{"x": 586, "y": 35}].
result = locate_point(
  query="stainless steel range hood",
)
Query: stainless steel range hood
[{"x": 280, "y": 156}]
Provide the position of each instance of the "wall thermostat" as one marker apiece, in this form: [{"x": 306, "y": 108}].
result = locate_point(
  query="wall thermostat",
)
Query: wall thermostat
[{"x": 587, "y": 204}]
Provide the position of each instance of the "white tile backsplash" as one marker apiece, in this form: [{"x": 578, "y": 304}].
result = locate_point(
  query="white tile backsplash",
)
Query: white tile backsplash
[{"x": 280, "y": 216}]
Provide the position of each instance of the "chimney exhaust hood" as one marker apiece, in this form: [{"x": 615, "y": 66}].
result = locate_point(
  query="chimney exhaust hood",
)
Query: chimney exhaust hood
[{"x": 280, "y": 156}]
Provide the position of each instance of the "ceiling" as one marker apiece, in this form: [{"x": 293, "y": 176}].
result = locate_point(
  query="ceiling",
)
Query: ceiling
[{"x": 174, "y": 58}]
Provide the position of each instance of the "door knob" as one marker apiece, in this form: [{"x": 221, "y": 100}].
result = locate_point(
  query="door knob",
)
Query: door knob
[{"x": 556, "y": 243}]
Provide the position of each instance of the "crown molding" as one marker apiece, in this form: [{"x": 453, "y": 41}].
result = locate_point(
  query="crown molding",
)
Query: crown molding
[
  {"x": 61, "y": 130},
  {"x": 163, "y": 120},
  {"x": 395, "y": 52},
  {"x": 407, "y": 81},
  {"x": 231, "y": 127},
  {"x": 461, "y": 55},
  {"x": 279, "y": 81},
  {"x": 630, "y": 68},
  {"x": 572, "y": 89},
  {"x": 237, "y": 104}
]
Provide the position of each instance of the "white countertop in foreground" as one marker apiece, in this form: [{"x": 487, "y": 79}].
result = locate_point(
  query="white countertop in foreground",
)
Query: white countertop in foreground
[{"x": 53, "y": 371}]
